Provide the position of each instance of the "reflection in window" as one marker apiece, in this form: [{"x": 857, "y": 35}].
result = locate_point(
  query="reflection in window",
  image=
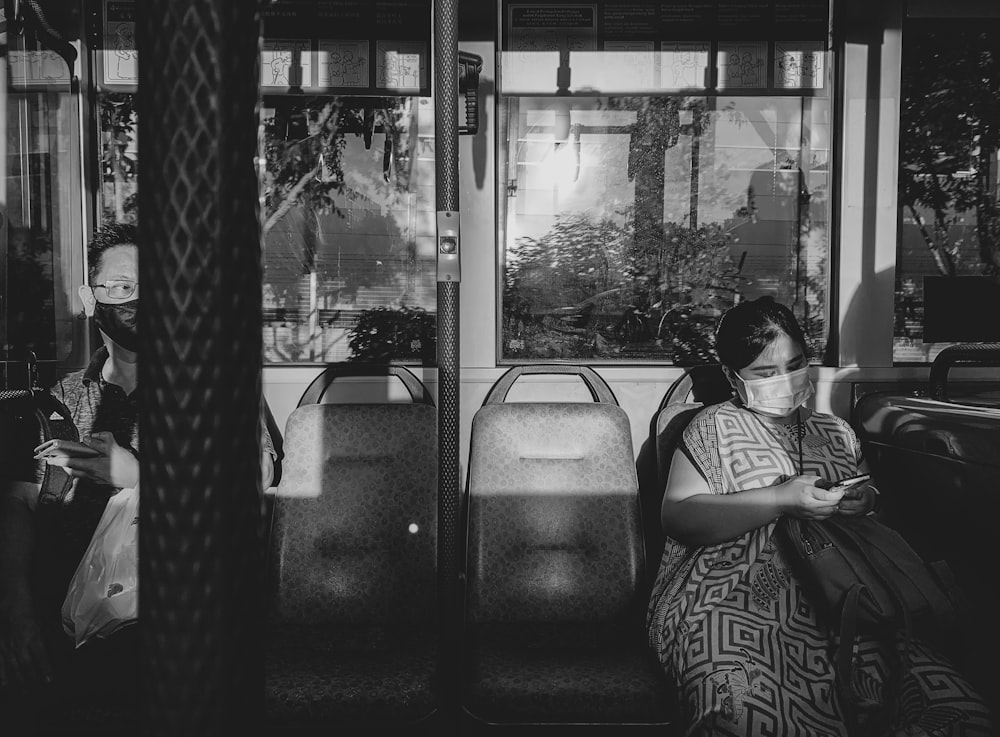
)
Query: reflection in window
[
  {"x": 948, "y": 162},
  {"x": 349, "y": 230},
  {"x": 631, "y": 223},
  {"x": 41, "y": 230},
  {"x": 119, "y": 157},
  {"x": 348, "y": 222}
]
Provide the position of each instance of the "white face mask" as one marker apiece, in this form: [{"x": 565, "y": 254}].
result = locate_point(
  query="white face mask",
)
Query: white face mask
[{"x": 775, "y": 396}]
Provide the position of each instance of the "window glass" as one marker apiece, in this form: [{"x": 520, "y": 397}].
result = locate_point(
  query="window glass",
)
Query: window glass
[
  {"x": 948, "y": 262},
  {"x": 119, "y": 151},
  {"x": 41, "y": 229},
  {"x": 349, "y": 230},
  {"x": 630, "y": 223},
  {"x": 348, "y": 223}
]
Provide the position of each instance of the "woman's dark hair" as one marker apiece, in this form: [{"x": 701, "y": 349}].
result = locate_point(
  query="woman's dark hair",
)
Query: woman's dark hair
[
  {"x": 744, "y": 331},
  {"x": 111, "y": 235}
]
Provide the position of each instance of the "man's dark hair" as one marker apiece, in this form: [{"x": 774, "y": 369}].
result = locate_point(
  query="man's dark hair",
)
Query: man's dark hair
[
  {"x": 111, "y": 235},
  {"x": 745, "y": 330}
]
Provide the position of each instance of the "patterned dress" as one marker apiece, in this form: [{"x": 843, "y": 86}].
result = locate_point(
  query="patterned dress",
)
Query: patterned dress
[{"x": 731, "y": 626}]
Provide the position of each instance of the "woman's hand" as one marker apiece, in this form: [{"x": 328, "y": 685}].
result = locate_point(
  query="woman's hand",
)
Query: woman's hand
[
  {"x": 858, "y": 501},
  {"x": 805, "y": 497},
  {"x": 112, "y": 465}
]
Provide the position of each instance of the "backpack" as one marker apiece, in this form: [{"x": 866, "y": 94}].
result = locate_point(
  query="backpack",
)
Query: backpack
[
  {"x": 863, "y": 576},
  {"x": 29, "y": 417}
]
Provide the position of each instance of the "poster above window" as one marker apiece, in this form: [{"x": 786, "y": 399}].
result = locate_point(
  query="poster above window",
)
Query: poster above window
[
  {"x": 346, "y": 47},
  {"x": 119, "y": 60},
  {"x": 656, "y": 47}
]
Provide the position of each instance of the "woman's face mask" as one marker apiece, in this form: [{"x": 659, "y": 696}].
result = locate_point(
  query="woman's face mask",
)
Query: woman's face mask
[{"x": 775, "y": 396}]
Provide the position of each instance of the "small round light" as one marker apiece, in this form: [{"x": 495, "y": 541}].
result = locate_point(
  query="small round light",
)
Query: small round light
[{"x": 413, "y": 528}]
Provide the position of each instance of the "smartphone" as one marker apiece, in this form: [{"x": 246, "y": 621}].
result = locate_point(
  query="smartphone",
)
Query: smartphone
[
  {"x": 848, "y": 485},
  {"x": 70, "y": 448}
]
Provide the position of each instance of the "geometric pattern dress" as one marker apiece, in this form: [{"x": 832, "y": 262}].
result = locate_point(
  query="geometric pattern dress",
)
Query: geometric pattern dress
[{"x": 731, "y": 626}]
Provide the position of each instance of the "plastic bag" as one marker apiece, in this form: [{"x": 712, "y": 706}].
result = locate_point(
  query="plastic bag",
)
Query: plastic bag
[{"x": 103, "y": 595}]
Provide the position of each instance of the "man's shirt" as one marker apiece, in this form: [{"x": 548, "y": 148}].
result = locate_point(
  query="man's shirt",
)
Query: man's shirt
[{"x": 66, "y": 523}]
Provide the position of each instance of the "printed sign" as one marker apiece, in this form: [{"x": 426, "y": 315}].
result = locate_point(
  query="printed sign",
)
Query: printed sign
[
  {"x": 286, "y": 63},
  {"x": 651, "y": 46},
  {"x": 120, "y": 60},
  {"x": 37, "y": 67}
]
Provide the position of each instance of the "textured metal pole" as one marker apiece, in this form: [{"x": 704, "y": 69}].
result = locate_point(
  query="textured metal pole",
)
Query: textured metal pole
[
  {"x": 199, "y": 369},
  {"x": 446, "y": 183}
]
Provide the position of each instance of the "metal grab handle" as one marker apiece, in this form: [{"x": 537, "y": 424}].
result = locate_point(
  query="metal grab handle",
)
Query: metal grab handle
[
  {"x": 598, "y": 387},
  {"x": 702, "y": 379},
  {"x": 315, "y": 391},
  {"x": 961, "y": 354}
]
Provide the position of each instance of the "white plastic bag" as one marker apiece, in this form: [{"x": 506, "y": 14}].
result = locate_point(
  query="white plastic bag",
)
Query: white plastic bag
[{"x": 103, "y": 596}]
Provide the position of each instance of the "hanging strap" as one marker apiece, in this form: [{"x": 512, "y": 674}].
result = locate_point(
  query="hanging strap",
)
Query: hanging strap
[{"x": 844, "y": 658}]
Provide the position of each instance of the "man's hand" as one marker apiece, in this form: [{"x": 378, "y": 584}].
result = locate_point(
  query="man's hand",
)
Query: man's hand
[{"x": 97, "y": 458}]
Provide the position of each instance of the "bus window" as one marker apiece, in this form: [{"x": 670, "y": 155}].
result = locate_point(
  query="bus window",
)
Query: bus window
[
  {"x": 949, "y": 157},
  {"x": 348, "y": 223},
  {"x": 349, "y": 230},
  {"x": 653, "y": 172},
  {"x": 41, "y": 263}
]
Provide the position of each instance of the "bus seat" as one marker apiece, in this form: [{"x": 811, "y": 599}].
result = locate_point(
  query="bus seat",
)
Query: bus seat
[
  {"x": 554, "y": 561},
  {"x": 352, "y": 565},
  {"x": 936, "y": 463},
  {"x": 935, "y": 458},
  {"x": 697, "y": 387}
]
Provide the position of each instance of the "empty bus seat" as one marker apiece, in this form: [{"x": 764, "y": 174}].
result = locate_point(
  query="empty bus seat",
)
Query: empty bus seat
[
  {"x": 352, "y": 566},
  {"x": 554, "y": 615}
]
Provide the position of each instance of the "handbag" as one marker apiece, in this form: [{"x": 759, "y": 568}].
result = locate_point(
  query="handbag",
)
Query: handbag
[{"x": 103, "y": 595}]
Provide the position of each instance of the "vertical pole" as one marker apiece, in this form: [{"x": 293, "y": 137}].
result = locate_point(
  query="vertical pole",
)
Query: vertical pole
[
  {"x": 3, "y": 195},
  {"x": 446, "y": 184},
  {"x": 199, "y": 367}
]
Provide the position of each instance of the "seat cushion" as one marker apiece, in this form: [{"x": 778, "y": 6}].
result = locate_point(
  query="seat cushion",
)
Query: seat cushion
[
  {"x": 565, "y": 674},
  {"x": 344, "y": 674}
]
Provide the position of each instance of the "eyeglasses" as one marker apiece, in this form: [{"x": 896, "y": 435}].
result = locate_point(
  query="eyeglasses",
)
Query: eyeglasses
[{"x": 117, "y": 289}]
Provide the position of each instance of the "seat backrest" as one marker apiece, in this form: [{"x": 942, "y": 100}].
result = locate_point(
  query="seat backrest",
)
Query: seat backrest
[
  {"x": 553, "y": 515},
  {"x": 354, "y": 527},
  {"x": 704, "y": 384}
]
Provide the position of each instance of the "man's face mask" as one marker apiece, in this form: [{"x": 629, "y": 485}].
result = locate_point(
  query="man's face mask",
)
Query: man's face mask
[
  {"x": 117, "y": 321},
  {"x": 775, "y": 396}
]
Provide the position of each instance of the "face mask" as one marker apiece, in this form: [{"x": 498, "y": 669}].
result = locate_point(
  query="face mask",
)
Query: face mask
[
  {"x": 117, "y": 321},
  {"x": 775, "y": 396}
]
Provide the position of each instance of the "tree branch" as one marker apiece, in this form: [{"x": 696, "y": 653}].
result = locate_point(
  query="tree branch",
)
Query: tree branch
[
  {"x": 929, "y": 240},
  {"x": 291, "y": 197},
  {"x": 293, "y": 194}
]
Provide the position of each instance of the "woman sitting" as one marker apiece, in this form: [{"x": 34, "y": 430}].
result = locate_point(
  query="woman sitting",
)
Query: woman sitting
[{"x": 727, "y": 618}]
